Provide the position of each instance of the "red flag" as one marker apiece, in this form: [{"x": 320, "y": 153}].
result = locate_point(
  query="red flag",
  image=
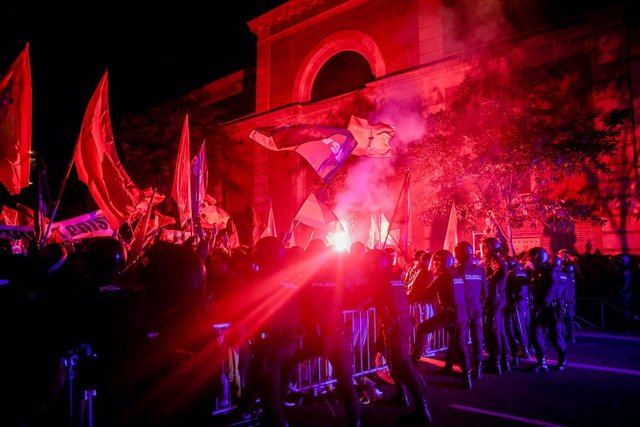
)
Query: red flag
[
  {"x": 271, "y": 224},
  {"x": 373, "y": 140},
  {"x": 316, "y": 214},
  {"x": 8, "y": 216},
  {"x": 22, "y": 216},
  {"x": 181, "y": 189},
  {"x": 451, "y": 238},
  {"x": 378, "y": 231},
  {"x": 399, "y": 226},
  {"x": 324, "y": 148},
  {"x": 258, "y": 227},
  {"x": 98, "y": 165},
  {"x": 142, "y": 229},
  {"x": 15, "y": 124}
]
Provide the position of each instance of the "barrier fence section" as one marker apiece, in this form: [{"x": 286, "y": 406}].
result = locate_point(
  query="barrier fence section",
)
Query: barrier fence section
[{"x": 315, "y": 374}]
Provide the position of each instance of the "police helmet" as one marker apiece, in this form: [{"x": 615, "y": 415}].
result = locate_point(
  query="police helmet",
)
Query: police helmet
[
  {"x": 464, "y": 251},
  {"x": 268, "y": 250},
  {"x": 538, "y": 255},
  {"x": 106, "y": 257},
  {"x": 444, "y": 257}
]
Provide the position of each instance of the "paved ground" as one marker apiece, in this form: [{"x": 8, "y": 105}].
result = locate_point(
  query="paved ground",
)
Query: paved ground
[{"x": 601, "y": 386}]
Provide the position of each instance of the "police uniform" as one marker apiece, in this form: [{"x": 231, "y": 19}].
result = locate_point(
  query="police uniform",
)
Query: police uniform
[
  {"x": 517, "y": 311},
  {"x": 392, "y": 307},
  {"x": 497, "y": 343},
  {"x": 547, "y": 286},
  {"x": 475, "y": 290},
  {"x": 324, "y": 332},
  {"x": 448, "y": 286}
]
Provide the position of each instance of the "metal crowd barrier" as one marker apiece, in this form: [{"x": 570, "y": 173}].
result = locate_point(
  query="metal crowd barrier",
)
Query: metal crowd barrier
[{"x": 316, "y": 374}]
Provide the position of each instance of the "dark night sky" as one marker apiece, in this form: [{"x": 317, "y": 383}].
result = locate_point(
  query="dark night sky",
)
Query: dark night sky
[{"x": 153, "y": 53}]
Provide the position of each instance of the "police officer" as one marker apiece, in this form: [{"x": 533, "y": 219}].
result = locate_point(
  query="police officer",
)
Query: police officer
[
  {"x": 475, "y": 292},
  {"x": 448, "y": 286},
  {"x": 276, "y": 342},
  {"x": 569, "y": 267},
  {"x": 547, "y": 287},
  {"x": 324, "y": 332},
  {"x": 517, "y": 311},
  {"x": 390, "y": 300},
  {"x": 495, "y": 334}
]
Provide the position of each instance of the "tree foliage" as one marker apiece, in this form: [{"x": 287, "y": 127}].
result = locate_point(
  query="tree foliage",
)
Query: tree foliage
[{"x": 518, "y": 146}]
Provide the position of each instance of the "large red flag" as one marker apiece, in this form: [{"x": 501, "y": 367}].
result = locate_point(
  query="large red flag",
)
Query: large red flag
[
  {"x": 181, "y": 189},
  {"x": 400, "y": 224},
  {"x": 15, "y": 124},
  {"x": 324, "y": 148},
  {"x": 98, "y": 165}
]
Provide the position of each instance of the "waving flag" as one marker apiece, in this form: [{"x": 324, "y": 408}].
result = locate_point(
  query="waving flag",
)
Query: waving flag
[
  {"x": 15, "y": 124},
  {"x": 98, "y": 165},
  {"x": 271, "y": 224},
  {"x": 324, "y": 148},
  {"x": 199, "y": 181},
  {"x": 400, "y": 224},
  {"x": 378, "y": 231},
  {"x": 211, "y": 216},
  {"x": 316, "y": 214},
  {"x": 140, "y": 233},
  {"x": 258, "y": 226},
  {"x": 373, "y": 140},
  {"x": 181, "y": 189},
  {"x": 451, "y": 238}
]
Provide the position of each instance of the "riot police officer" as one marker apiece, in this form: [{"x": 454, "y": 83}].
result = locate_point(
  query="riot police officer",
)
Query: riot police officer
[
  {"x": 448, "y": 286},
  {"x": 569, "y": 268},
  {"x": 495, "y": 334},
  {"x": 475, "y": 292},
  {"x": 390, "y": 301},
  {"x": 547, "y": 287},
  {"x": 517, "y": 310},
  {"x": 276, "y": 341},
  {"x": 324, "y": 332}
]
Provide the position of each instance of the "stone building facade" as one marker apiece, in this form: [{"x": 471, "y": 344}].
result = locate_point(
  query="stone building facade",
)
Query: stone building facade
[{"x": 410, "y": 54}]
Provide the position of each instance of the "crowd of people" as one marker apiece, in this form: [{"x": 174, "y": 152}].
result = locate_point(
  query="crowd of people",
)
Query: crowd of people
[{"x": 164, "y": 326}]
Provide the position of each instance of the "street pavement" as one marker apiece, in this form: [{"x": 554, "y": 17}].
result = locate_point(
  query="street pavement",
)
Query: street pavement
[{"x": 601, "y": 386}]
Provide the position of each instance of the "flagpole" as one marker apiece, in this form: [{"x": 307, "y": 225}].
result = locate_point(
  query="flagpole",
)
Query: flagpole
[
  {"x": 395, "y": 210},
  {"x": 57, "y": 203}
]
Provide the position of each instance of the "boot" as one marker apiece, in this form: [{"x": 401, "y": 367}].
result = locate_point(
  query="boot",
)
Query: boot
[
  {"x": 477, "y": 371},
  {"x": 562, "y": 363},
  {"x": 515, "y": 360},
  {"x": 401, "y": 397},
  {"x": 467, "y": 380},
  {"x": 540, "y": 367},
  {"x": 421, "y": 415},
  {"x": 505, "y": 364}
]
